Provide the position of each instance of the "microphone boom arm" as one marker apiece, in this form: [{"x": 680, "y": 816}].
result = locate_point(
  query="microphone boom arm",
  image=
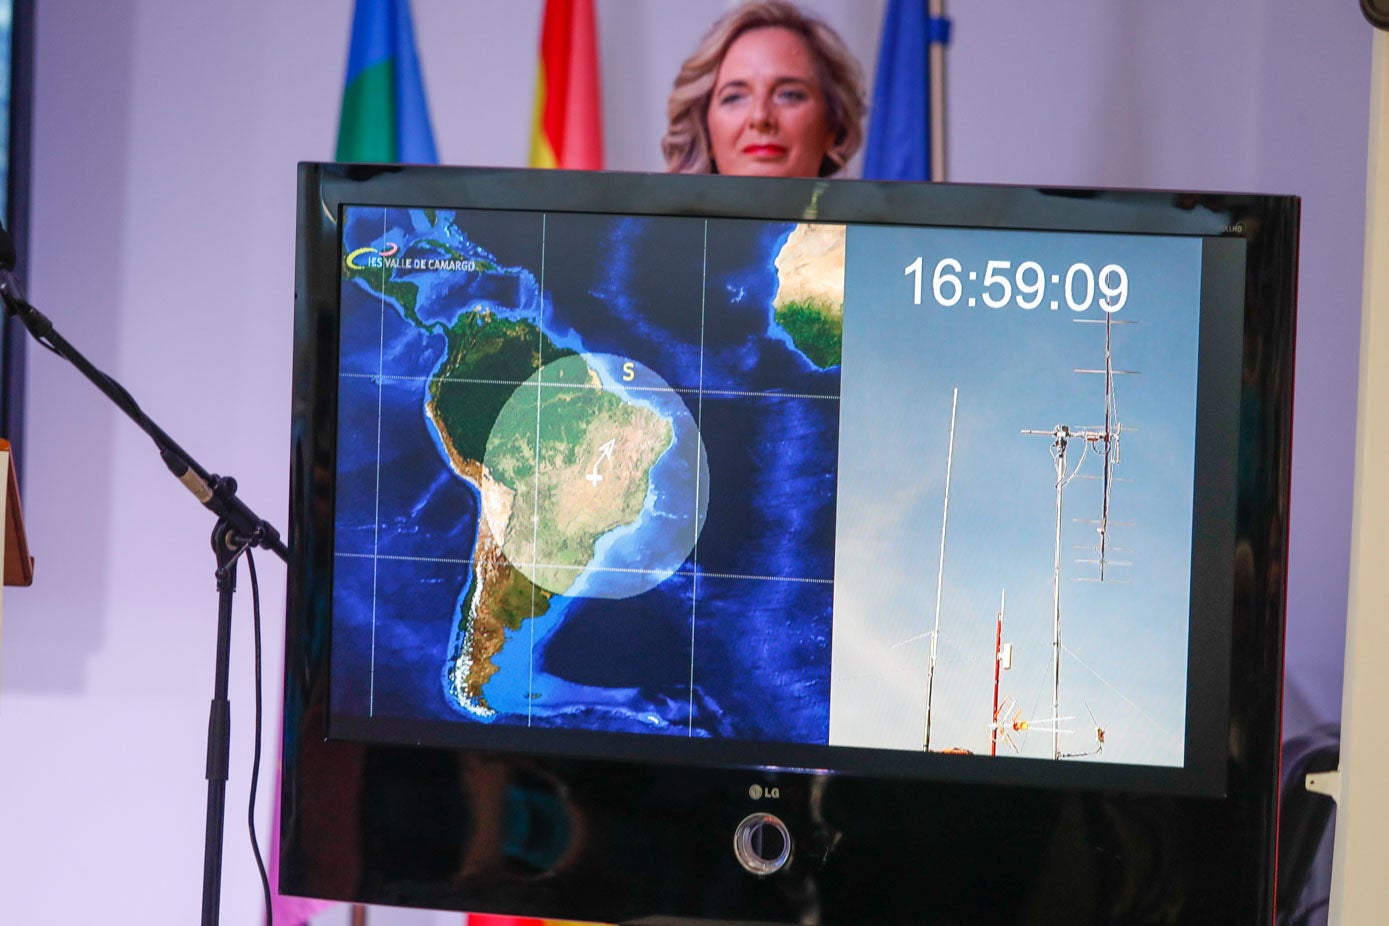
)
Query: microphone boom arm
[{"x": 216, "y": 493}]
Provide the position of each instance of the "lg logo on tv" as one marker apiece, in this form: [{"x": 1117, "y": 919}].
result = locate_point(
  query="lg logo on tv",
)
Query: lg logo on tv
[{"x": 757, "y": 792}]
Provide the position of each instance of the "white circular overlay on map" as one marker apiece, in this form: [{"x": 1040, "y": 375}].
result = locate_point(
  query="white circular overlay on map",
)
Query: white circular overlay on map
[{"x": 596, "y": 480}]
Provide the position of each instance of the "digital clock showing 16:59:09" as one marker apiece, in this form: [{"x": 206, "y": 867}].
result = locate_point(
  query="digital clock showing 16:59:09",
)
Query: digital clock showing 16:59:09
[{"x": 1080, "y": 286}]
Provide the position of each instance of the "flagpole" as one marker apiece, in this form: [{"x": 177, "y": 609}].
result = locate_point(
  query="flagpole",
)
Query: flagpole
[{"x": 936, "y": 62}]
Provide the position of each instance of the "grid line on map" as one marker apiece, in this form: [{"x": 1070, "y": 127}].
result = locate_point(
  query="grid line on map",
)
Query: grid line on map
[
  {"x": 699, "y": 424},
  {"x": 376, "y": 518},
  {"x": 619, "y": 570},
  {"x": 698, "y": 392},
  {"x": 535, "y": 493}
]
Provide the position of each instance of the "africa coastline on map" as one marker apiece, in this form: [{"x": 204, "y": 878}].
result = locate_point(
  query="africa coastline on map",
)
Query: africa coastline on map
[{"x": 586, "y": 472}]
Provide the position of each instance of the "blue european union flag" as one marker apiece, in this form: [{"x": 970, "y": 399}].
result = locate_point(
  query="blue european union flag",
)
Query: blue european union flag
[{"x": 899, "y": 127}]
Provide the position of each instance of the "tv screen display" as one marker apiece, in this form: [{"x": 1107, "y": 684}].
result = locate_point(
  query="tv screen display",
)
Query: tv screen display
[{"x": 690, "y": 548}]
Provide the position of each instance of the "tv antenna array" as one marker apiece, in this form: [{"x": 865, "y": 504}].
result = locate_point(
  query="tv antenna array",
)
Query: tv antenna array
[{"x": 1105, "y": 440}]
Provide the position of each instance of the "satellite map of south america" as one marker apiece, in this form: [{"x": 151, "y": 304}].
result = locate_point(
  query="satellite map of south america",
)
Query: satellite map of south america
[{"x": 586, "y": 472}]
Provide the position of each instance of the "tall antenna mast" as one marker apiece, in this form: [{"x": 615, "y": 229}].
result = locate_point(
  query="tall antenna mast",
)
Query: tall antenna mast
[
  {"x": 1111, "y": 437},
  {"x": 1107, "y": 439},
  {"x": 1061, "y": 436},
  {"x": 940, "y": 569},
  {"x": 1003, "y": 659}
]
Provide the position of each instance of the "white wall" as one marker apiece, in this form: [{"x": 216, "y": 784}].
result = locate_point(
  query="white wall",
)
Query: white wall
[{"x": 162, "y": 246}]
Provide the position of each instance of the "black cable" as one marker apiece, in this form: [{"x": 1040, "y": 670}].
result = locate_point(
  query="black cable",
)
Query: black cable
[{"x": 255, "y": 761}]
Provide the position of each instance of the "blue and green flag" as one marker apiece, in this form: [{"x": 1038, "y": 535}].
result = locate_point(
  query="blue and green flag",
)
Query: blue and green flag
[{"x": 385, "y": 118}]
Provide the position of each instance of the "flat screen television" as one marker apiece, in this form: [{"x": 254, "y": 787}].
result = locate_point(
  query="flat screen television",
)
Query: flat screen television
[{"x": 673, "y": 549}]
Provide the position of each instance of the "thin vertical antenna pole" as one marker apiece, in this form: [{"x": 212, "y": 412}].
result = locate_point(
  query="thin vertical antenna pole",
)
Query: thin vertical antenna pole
[
  {"x": 1061, "y": 438},
  {"x": 998, "y": 665},
  {"x": 1109, "y": 438},
  {"x": 1106, "y": 438},
  {"x": 940, "y": 569},
  {"x": 1108, "y": 376}
]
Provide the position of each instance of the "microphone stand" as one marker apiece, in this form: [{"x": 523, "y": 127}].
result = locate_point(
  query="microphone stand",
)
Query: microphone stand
[{"x": 237, "y": 530}]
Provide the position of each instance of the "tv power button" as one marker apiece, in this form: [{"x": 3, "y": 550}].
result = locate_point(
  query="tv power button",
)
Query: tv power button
[{"x": 762, "y": 843}]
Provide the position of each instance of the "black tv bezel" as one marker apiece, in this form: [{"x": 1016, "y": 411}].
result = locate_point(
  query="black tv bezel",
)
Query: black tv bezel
[{"x": 1237, "y": 813}]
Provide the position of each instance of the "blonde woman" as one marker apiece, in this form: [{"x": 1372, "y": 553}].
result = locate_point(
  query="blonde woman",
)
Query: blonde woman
[{"x": 769, "y": 91}]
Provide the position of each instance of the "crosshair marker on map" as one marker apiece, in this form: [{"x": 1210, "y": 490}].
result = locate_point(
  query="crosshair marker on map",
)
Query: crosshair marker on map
[{"x": 605, "y": 452}]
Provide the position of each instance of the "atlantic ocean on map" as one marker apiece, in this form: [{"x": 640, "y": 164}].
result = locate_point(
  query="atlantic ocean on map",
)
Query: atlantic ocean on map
[{"x": 585, "y": 473}]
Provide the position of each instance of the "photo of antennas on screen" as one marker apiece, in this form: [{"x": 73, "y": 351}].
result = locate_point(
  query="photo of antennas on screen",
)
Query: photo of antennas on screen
[{"x": 1013, "y": 562}]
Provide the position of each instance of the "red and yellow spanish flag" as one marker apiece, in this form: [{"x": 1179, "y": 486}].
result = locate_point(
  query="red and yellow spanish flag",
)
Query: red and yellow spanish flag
[{"x": 567, "y": 130}]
